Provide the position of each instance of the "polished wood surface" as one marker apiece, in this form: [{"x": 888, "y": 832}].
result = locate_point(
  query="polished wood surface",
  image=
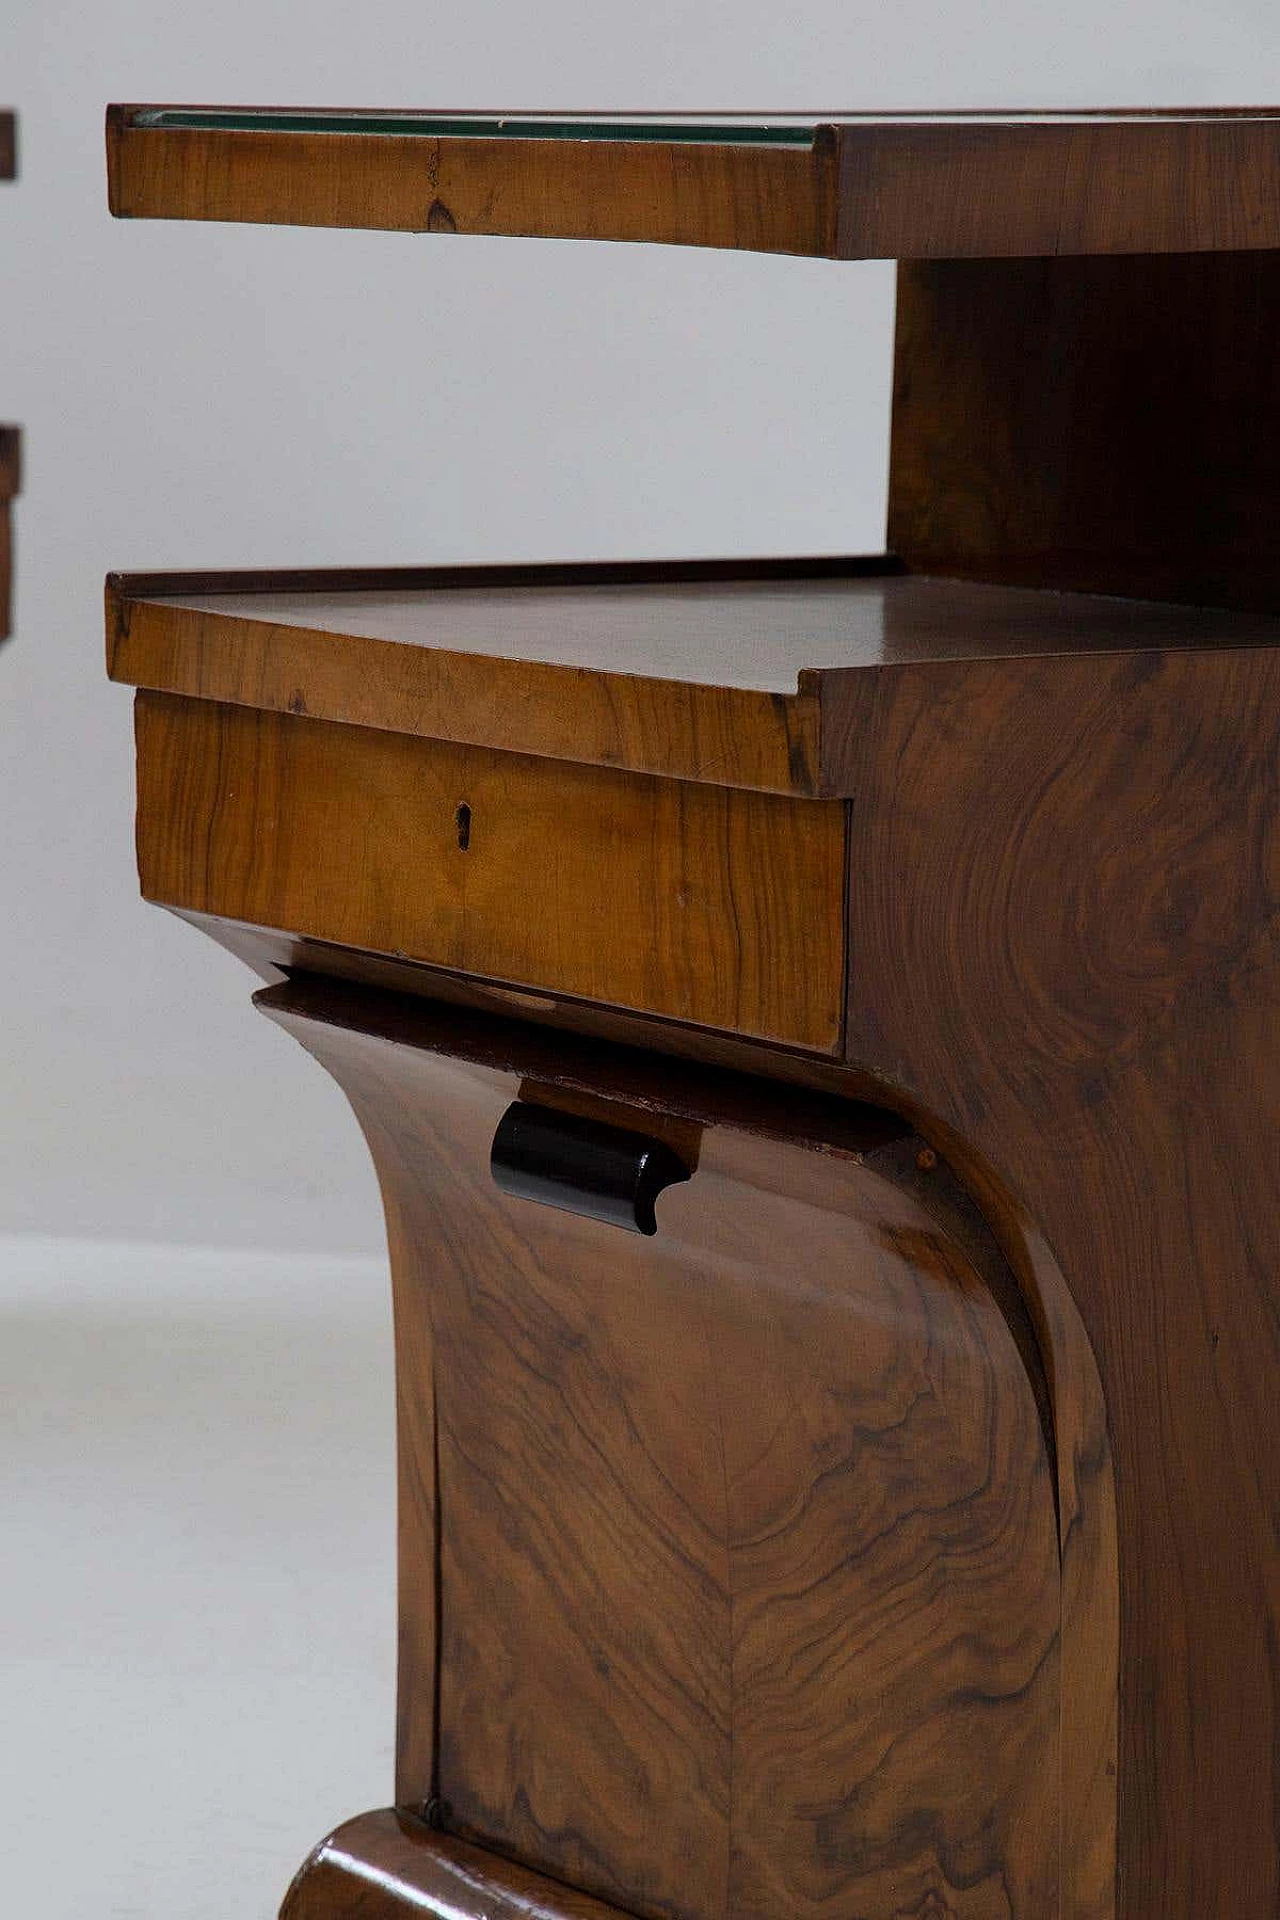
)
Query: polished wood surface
[
  {"x": 705, "y": 904},
  {"x": 696, "y": 673},
  {"x": 1073, "y": 968},
  {"x": 1085, "y": 1489},
  {"x": 1100, "y": 424},
  {"x": 766, "y": 199},
  {"x": 894, "y": 1534},
  {"x": 8, "y": 145},
  {"x": 1059, "y": 898},
  {"x": 734, "y": 1552},
  {"x": 868, "y": 187},
  {"x": 586, "y": 667},
  {"x": 974, "y": 187},
  {"x": 388, "y": 1866}
]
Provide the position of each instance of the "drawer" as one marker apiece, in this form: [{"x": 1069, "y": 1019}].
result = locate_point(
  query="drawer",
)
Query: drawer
[{"x": 716, "y": 906}]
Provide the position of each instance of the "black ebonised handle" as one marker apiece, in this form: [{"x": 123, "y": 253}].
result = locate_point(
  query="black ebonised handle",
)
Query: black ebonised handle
[{"x": 583, "y": 1166}]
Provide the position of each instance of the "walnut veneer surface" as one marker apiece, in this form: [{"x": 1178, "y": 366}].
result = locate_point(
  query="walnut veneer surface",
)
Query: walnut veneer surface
[
  {"x": 857, "y": 186},
  {"x": 732, "y": 676},
  {"x": 1058, "y": 955},
  {"x": 382, "y": 1865},
  {"x": 705, "y": 903},
  {"x": 1050, "y": 890},
  {"x": 892, "y": 1535},
  {"x": 748, "y": 1596}
]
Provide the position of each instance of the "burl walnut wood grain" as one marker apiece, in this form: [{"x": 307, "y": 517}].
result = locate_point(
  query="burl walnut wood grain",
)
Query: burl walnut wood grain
[
  {"x": 387, "y": 1866},
  {"x": 1111, "y": 425},
  {"x": 1066, "y": 924},
  {"x": 704, "y": 904},
  {"x": 736, "y": 1548}
]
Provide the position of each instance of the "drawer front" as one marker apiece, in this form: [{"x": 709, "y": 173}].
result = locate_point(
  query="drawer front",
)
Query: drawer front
[{"x": 711, "y": 905}]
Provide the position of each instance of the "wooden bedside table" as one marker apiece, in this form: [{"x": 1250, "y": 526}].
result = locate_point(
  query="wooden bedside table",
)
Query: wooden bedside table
[{"x": 816, "y": 1027}]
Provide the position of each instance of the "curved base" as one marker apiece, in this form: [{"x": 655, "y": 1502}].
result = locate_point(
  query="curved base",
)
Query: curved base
[
  {"x": 730, "y": 1573},
  {"x": 383, "y": 1866}
]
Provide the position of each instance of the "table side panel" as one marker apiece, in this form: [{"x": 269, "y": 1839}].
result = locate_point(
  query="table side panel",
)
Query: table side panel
[{"x": 1065, "y": 900}]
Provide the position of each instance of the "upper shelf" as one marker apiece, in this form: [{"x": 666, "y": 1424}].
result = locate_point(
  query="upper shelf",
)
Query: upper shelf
[
  {"x": 851, "y": 186},
  {"x": 731, "y": 673}
]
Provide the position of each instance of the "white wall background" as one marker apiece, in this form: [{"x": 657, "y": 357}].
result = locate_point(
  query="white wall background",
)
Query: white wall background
[
  {"x": 218, "y": 396},
  {"x": 196, "y": 1633}
]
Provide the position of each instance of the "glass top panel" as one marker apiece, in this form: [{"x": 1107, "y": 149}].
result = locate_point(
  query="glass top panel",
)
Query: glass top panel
[{"x": 780, "y": 130}]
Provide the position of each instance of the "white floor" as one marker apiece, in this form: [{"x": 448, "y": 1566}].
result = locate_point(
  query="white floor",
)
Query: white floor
[{"x": 196, "y": 1573}]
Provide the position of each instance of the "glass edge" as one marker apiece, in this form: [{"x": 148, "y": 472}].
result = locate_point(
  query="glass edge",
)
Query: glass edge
[{"x": 478, "y": 126}]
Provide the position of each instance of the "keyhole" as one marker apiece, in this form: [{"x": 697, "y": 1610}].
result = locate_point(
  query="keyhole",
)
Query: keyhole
[{"x": 463, "y": 819}]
